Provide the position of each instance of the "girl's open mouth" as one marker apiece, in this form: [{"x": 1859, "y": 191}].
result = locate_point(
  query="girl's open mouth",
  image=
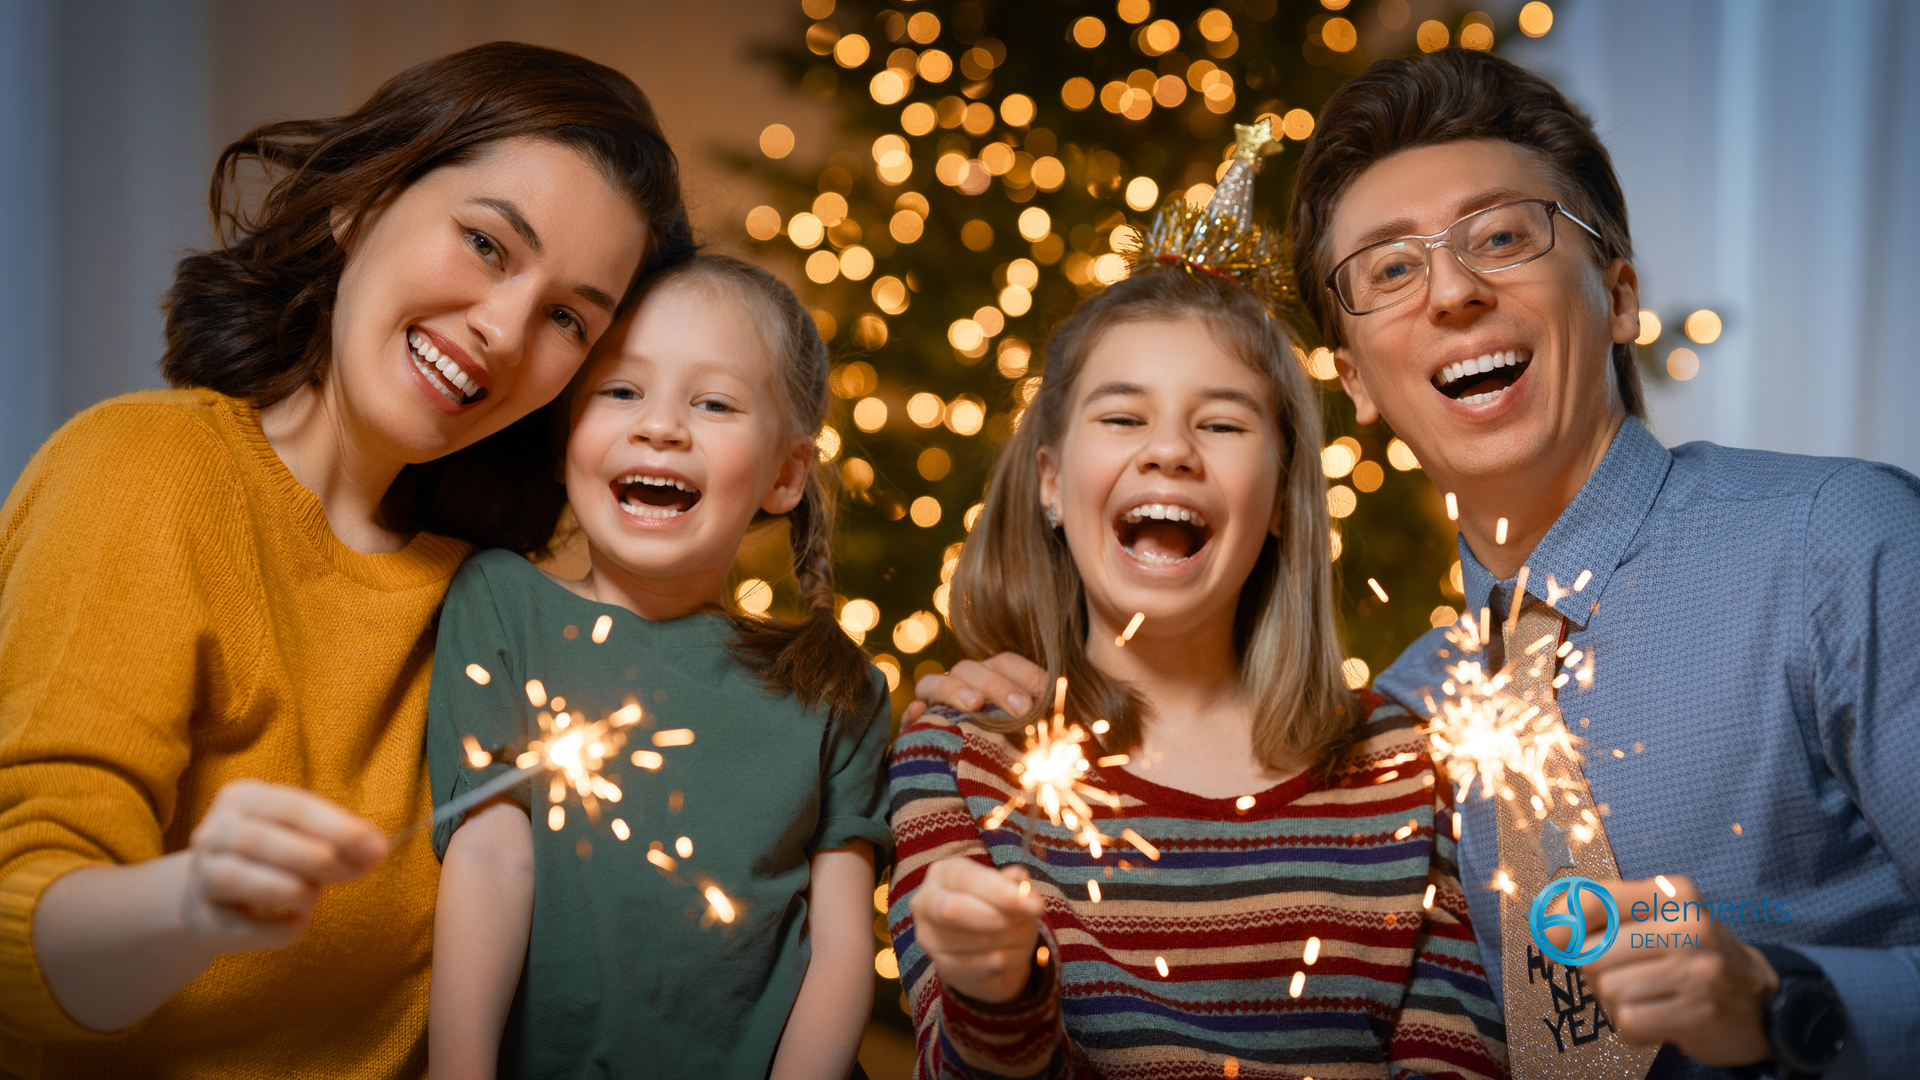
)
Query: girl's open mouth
[
  {"x": 654, "y": 498},
  {"x": 1483, "y": 378},
  {"x": 1162, "y": 534}
]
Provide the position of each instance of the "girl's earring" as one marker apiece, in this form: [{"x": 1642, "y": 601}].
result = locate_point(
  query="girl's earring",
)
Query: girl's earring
[{"x": 1053, "y": 516}]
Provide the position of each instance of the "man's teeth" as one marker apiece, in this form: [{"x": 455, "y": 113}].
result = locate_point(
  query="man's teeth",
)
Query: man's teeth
[
  {"x": 1163, "y": 512},
  {"x": 1485, "y": 362},
  {"x": 426, "y": 357},
  {"x": 656, "y": 481}
]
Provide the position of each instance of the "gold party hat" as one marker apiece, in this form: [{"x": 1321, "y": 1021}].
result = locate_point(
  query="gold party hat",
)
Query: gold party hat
[{"x": 1223, "y": 239}]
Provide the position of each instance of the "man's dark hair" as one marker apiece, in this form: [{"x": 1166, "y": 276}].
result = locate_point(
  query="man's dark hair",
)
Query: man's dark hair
[{"x": 1405, "y": 102}]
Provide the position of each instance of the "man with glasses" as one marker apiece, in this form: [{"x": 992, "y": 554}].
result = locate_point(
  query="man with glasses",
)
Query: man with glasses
[{"x": 1751, "y": 734}]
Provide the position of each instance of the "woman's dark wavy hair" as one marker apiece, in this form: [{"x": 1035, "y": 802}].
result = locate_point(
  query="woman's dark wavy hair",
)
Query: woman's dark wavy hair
[
  {"x": 253, "y": 316},
  {"x": 1400, "y": 103}
]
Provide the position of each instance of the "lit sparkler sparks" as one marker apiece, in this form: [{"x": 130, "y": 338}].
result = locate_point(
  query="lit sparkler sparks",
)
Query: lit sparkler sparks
[
  {"x": 571, "y": 748},
  {"x": 1482, "y": 729},
  {"x": 1133, "y": 624},
  {"x": 1052, "y": 780}
]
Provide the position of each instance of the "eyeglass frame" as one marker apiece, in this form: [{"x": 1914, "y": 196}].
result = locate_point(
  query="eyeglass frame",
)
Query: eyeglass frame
[{"x": 1433, "y": 240}]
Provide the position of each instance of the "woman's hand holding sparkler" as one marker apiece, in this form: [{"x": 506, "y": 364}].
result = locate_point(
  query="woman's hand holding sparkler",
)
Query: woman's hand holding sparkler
[
  {"x": 979, "y": 926},
  {"x": 115, "y": 942}
]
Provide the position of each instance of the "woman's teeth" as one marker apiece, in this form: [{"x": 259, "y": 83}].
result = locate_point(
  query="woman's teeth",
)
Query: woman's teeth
[
  {"x": 1163, "y": 512},
  {"x": 430, "y": 361}
]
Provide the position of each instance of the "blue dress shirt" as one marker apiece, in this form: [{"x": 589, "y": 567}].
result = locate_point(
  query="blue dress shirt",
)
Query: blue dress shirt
[{"x": 1754, "y": 620}]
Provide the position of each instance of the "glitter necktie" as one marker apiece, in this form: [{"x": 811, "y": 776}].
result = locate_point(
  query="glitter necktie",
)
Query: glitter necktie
[{"x": 1555, "y": 1025}]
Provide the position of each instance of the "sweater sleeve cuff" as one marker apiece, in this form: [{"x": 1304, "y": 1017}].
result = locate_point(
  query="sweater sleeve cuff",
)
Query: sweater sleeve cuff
[
  {"x": 1881, "y": 990},
  {"x": 27, "y": 1005},
  {"x": 1019, "y": 1037}
]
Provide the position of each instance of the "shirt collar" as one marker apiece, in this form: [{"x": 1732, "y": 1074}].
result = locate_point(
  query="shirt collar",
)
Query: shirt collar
[{"x": 1592, "y": 533}]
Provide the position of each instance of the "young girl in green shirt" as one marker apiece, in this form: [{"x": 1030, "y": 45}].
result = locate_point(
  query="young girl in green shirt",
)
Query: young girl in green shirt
[{"x": 569, "y": 947}]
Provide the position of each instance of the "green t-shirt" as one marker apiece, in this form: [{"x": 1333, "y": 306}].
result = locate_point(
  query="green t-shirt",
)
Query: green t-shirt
[{"x": 622, "y": 978}]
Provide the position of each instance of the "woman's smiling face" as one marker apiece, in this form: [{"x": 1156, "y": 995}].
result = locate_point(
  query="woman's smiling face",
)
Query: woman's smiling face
[
  {"x": 472, "y": 296},
  {"x": 1166, "y": 475}
]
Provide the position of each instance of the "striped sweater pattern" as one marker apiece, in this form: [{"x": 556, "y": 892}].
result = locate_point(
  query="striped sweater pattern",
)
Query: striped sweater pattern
[{"x": 1395, "y": 989}]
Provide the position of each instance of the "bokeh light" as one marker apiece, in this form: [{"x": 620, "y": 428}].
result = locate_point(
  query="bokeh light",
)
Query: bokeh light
[
  {"x": 776, "y": 140},
  {"x": 1536, "y": 19},
  {"x": 870, "y": 414},
  {"x": 1702, "y": 327}
]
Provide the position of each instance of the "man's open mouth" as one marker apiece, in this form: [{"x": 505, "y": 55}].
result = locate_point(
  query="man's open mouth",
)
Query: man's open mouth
[
  {"x": 1162, "y": 534},
  {"x": 1481, "y": 379},
  {"x": 442, "y": 372},
  {"x": 655, "y": 498}
]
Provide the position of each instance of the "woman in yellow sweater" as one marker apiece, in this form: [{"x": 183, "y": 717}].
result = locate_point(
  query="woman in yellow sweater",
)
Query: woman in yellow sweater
[{"x": 216, "y": 601}]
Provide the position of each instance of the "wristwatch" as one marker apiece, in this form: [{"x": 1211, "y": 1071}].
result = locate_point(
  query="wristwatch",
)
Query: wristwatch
[{"x": 1805, "y": 1022}]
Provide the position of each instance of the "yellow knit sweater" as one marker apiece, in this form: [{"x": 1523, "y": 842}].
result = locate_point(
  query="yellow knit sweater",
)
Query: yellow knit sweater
[{"x": 175, "y": 613}]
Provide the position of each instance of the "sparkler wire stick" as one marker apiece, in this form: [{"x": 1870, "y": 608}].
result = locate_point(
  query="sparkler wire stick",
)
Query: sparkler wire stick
[{"x": 446, "y": 811}]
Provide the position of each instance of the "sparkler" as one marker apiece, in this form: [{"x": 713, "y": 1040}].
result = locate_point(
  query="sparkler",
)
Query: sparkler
[
  {"x": 572, "y": 749},
  {"x": 1052, "y": 780},
  {"x": 1482, "y": 729}
]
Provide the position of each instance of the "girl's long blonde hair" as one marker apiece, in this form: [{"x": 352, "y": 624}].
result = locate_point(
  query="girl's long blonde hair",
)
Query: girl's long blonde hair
[{"x": 1017, "y": 588}]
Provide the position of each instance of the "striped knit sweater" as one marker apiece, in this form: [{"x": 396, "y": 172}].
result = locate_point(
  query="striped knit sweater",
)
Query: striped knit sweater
[{"x": 1396, "y": 989}]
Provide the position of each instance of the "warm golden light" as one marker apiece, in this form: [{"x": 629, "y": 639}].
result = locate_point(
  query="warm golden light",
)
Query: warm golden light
[
  {"x": 1649, "y": 328},
  {"x": 1476, "y": 36},
  {"x": 890, "y": 293},
  {"x": 967, "y": 415},
  {"x": 1077, "y": 93},
  {"x": 1354, "y": 670},
  {"x": 805, "y": 230},
  {"x": 925, "y": 409},
  {"x": 1339, "y": 35},
  {"x": 857, "y": 474},
  {"x": 754, "y": 596},
  {"x": 1216, "y": 25},
  {"x": 776, "y": 140},
  {"x": 763, "y": 223},
  {"x": 870, "y": 414},
  {"x": 905, "y": 227},
  {"x": 934, "y": 66},
  {"x": 1400, "y": 456},
  {"x": 977, "y": 235},
  {"x": 1337, "y": 460},
  {"x": 1142, "y": 193},
  {"x": 1297, "y": 124},
  {"x": 859, "y": 616},
  {"x": 1368, "y": 476},
  {"x": 1341, "y": 501},
  {"x": 856, "y": 263},
  {"x": 1133, "y": 11},
  {"x": 822, "y": 266},
  {"x": 1017, "y": 110},
  {"x": 1433, "y": 34},
  {"x": 1160, "y": 36},
  {"x": 934, "y": 463},
  {"x": 924, "y": 27},
  {"x": 1702, "y": 327},
  {"x": 925, "y": 511},
  {"x": 1536, "y": 19},
  {"x": 479, "y": 674},
  {"x": 851, "y": 51},
  {"x": 1683, "y": 364}
]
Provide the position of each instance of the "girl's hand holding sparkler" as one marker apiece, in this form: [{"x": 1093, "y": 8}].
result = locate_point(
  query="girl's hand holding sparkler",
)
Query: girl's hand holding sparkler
[
  {"x": 117, "y": 941},
  {"x": 1008, "y": 680},
  {"x": 979, "y": 926}
]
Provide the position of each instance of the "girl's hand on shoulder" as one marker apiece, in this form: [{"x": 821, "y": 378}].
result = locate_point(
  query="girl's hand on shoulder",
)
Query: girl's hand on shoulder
[
  {"x": 258, "y": 859},
  {"x": 1008, "y": 680},
  {"x": 978, "y": 927}
]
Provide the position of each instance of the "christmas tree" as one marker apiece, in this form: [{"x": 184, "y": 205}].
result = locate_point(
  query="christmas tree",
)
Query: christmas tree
[{"x": 994, "y": 155}]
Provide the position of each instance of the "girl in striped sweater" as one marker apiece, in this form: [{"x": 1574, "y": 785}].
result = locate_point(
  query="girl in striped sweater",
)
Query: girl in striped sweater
[{"x": 1280, "y": 897}]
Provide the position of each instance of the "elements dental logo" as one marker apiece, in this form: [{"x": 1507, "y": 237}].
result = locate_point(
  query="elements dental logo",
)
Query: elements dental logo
[{"x": 1576, "y": 890}]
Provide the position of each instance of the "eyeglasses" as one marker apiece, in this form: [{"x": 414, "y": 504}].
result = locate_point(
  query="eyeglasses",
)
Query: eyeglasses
[{"x": 1488, "y": 241}]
